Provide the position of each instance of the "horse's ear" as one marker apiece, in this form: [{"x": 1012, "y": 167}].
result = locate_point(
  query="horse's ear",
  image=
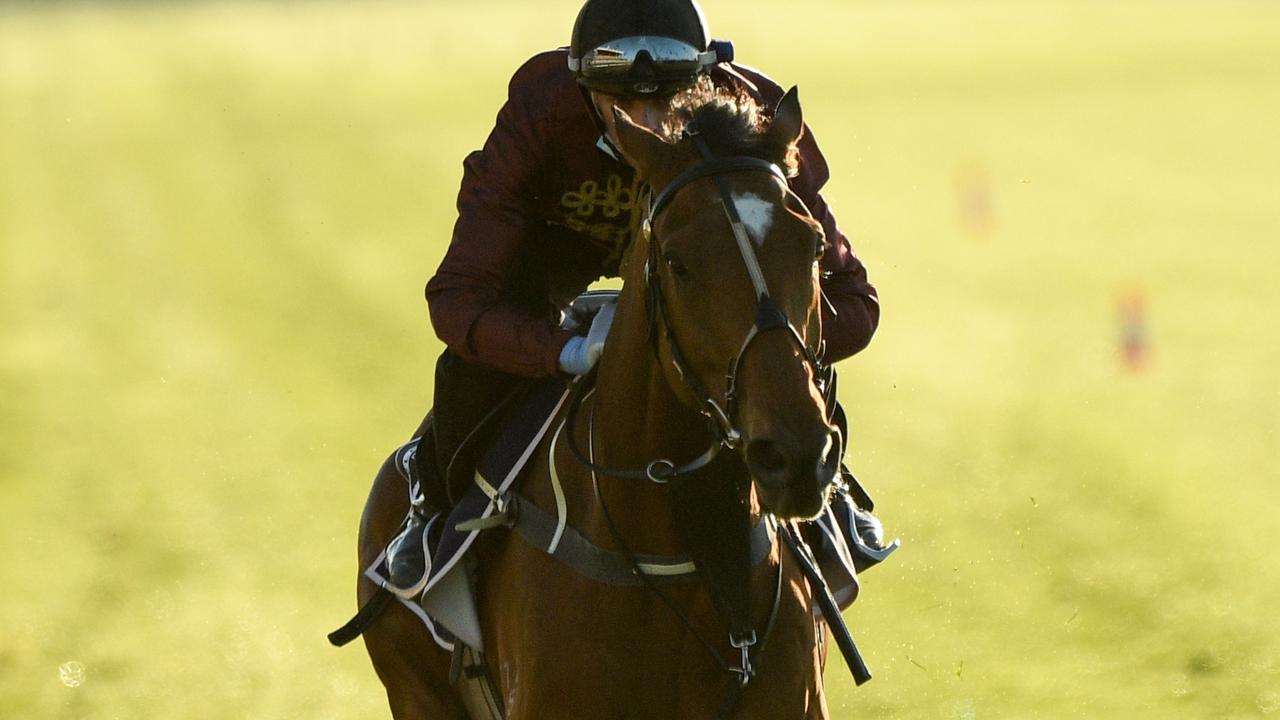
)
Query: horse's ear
[
  {"x": 639, "y": 144},
  {"x": 788, "y": 122}
]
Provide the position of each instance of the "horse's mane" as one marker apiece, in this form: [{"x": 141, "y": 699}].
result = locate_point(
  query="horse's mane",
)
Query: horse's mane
[{"x": 730, "y": 121}]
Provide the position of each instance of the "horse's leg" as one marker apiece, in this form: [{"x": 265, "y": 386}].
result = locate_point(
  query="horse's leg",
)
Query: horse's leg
[{"x": 414, "y": 670}]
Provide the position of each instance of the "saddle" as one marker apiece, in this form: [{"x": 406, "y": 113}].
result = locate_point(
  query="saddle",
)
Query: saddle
[{"x": 483, "y": 484}]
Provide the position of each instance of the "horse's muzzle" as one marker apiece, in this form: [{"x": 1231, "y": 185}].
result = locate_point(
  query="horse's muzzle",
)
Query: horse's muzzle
[{"x": 793, "y": 476}]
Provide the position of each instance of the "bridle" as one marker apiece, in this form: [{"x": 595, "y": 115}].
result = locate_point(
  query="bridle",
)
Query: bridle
[
  {"x": 768, "y": 315},
  {"x": 721, "y": 418}
]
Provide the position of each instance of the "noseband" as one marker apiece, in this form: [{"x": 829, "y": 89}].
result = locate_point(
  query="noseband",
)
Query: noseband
[{"x": 768, "y": 315}]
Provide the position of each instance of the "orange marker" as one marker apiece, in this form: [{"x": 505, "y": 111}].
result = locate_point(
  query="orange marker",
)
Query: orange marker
[{"x": 1131, "y": 311}]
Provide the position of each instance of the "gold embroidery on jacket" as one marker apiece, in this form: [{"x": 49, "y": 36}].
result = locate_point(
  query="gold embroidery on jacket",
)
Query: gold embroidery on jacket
[{"x": 612, "y": 200}]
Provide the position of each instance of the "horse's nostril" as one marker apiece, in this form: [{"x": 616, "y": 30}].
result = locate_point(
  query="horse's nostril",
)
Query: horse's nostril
[{"x": 765, "y": 455}]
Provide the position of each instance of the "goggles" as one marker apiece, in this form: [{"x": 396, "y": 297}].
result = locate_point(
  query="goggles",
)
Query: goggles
[{"x": 646, "y": 64}]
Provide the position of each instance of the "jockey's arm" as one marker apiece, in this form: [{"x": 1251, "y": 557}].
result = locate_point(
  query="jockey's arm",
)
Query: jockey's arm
[
  {"x": 469, "y": 308},
  {"x": 852, "y": 309}
]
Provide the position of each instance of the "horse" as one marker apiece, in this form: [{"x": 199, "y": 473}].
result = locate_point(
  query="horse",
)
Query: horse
[{"x": 722, "y": 274}]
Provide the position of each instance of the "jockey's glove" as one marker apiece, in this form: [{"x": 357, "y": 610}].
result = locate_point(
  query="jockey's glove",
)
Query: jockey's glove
[{"x": 581, "y": 354}]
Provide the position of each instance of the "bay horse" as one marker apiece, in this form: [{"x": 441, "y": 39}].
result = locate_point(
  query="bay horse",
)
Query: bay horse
[{"x": 723, "y": 274}]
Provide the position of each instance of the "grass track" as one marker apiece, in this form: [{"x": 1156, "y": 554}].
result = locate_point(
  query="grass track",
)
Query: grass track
[{"x": 216, "y": 220}]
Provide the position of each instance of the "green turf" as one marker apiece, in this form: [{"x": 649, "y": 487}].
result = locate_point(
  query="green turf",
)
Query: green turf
[{"x": 215, "y": 224}]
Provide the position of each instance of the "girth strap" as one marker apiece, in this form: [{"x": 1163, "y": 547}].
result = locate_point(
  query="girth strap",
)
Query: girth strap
[{"x": 537, "y": 527}]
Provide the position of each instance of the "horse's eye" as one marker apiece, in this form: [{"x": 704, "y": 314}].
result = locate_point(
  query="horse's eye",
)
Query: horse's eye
[
  {"x": 820, "y": 246},
  {"x": 678, "y": 268}
]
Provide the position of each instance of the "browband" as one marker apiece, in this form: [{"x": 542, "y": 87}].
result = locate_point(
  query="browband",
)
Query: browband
[{"x": 716, "y": 166}]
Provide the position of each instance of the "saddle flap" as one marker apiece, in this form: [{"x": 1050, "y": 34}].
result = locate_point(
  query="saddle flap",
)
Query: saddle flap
[{"x": 451, "y": 603}]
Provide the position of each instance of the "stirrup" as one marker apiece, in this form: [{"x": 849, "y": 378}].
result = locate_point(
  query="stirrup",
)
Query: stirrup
[{"x": 866, "y": 542}]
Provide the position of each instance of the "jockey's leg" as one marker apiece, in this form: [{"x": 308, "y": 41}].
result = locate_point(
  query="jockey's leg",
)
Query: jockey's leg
[{"x": 465, "y": 393}]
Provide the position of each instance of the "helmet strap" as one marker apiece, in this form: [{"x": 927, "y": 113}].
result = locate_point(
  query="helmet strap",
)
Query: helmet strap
[
  {"x": 599, "y": 123},
  {"x": 595, "y": 113}
]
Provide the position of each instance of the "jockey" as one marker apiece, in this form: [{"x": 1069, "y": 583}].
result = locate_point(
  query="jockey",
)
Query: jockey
[{"x": 550, "y": 204}]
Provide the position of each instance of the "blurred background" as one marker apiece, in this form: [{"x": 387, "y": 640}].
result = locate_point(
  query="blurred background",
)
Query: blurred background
[{"x": 216, "y": 219}]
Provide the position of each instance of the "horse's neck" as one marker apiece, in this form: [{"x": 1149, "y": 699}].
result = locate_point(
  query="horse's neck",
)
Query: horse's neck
[{"x": 636, "y": 419}]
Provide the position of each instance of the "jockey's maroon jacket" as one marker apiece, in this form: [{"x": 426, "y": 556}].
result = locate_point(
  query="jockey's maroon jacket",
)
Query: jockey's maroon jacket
[{"x": 545, "y": 209}]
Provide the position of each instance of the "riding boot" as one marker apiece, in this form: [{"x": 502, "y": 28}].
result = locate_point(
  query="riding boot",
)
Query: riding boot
[{"x": 407, "y": 553}]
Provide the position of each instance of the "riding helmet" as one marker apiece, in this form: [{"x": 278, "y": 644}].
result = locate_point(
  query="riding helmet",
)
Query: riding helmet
[{"x": 642, "y": 47}]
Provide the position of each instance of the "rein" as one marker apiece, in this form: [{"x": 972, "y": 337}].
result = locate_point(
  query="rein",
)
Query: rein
[{"x": 659, "y": 471}]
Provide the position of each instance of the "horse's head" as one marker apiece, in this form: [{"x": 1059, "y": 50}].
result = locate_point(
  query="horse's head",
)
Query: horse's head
[{"x": 732, "y": 270}]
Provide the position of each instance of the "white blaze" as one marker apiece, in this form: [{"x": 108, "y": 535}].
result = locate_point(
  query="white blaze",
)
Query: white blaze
[{"x": 757, "y": 216}]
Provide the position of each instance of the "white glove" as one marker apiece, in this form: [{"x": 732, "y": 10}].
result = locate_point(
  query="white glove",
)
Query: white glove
[
  {"x": 581, "y": 354},
  {"x": 584, "y": 308}
]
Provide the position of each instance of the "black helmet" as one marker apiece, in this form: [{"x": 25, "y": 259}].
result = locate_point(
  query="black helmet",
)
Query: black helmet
[{"x": 642, "y": 47}]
